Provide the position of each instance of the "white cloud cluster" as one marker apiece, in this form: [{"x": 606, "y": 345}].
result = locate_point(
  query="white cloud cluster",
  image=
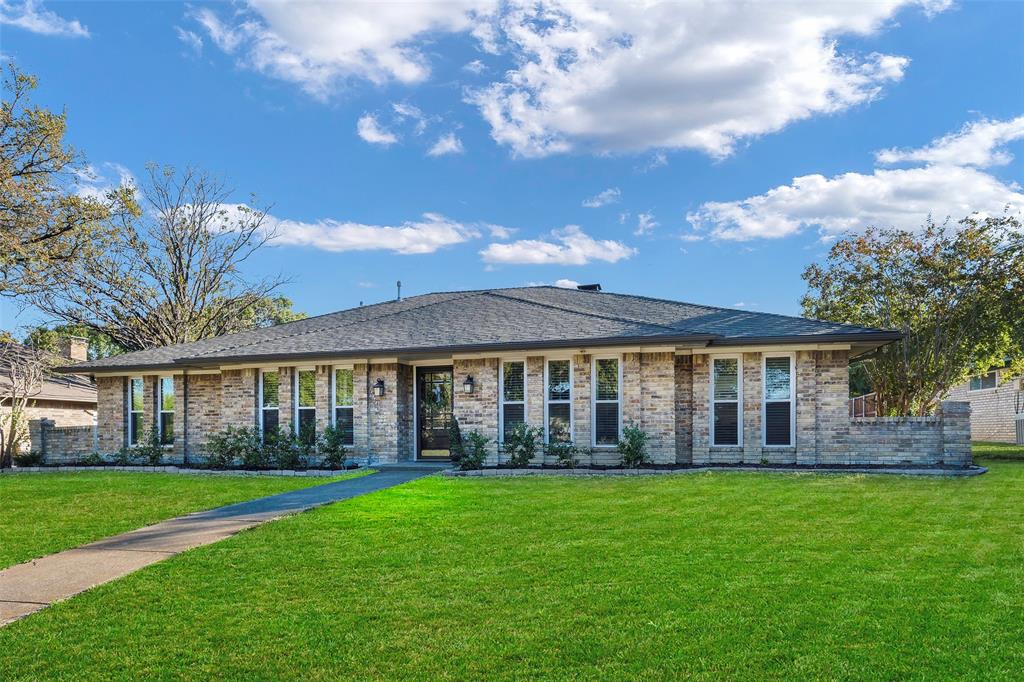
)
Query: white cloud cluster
[
  {"x": 371, "y": 131},
  {"x": 608, "y": 196},
  {"x": 32, "y": 16},
  {"x": 599, "y": 75},
  {"x": 645, "y": 223},
  {"x": 568, "y": 246},
  {"x": 949, "y": 184},
  {"x": 446, "y": 144},
  {"x": 94, "y": 182},
  {"x": 427, "y": 235}
]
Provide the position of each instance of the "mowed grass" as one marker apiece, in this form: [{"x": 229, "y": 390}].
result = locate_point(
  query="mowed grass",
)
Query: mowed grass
[
  {"x": 49, "y": 512},
  {"x": 998, "y": 451},
  {"x": 709, "y": 576}
]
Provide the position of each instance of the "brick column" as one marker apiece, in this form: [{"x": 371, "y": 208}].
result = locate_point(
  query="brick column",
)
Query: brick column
[
  {"x": 361, "y": 397},
  {"x": 177, "y": 450},
  {"x": 752, "y": 391},
  {"x": 237, "y": 398},
  {"x": 479, "y": 410},
  {"x": 832, "y": 402},
  {"x": 406, "y": 392},
  {"x": 701, "y": 409},
  {"x": 956, "y": 433},
  {"x": 323, "y": 397},
  {"x": 382, "y": 416},
  {"x": 285, "y": 394},
  {"x": 535, "y": 393},
  {"x": 806, "y": 409},
  {"x": 684, "y": 408},
  {"x": 657, "y": 405},
  {"x": 581, "y": 401}
]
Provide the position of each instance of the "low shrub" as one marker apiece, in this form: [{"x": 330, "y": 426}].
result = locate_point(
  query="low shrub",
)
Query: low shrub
[
  {"x": 284, "y": 450},
  {"x": 474, "y": 453},
  {"x": 93, "y": 459},
  {"x": 235, "y": 445},
  {"x": 566, "y": 453},
  {"x": 150, "y": 451},
  {"x": 633, "y": 446},
  {"x": 520, "y": 444},
  {"x": 456, "y": 448},
  {"x": 332, "y": 448},
  {"x": 124, "y": 457},
  {"x": 28, "y": 459}
]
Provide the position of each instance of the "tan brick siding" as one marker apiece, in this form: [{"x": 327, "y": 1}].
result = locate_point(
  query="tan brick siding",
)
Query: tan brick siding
[
  {"x": 992, "y": 409},
  {"x": 478, "y": 411}
]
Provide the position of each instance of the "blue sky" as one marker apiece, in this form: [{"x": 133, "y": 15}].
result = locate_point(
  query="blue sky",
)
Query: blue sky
[{"x": 700, "y": 155}]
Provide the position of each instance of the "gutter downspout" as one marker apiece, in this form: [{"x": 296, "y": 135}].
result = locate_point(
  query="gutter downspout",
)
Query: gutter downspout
[{"x": 184, "y": 417}]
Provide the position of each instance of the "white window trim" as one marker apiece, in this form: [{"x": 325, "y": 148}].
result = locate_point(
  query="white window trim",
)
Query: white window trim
[
  {"x": 134, "y": 439},
  {"x": 160, "y": 411},
  {"x": 334, "y": 399},
  {"x": 792, "y": 399},
  {"x": 979, "y": 390},
  {"x": 262, "y": 406},
  {"x": 501, "y": 395},
  {"x": 547, "y": 401},
  {"x": 739, "y": 400},
  {"x": 295, "y": 398},
  {"x": 594, "y": 401}
]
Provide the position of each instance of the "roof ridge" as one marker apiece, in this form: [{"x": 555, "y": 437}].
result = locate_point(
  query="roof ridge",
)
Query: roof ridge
[
  {"x": 344, "y": 324},
  {"x": 585, "y": 312}
]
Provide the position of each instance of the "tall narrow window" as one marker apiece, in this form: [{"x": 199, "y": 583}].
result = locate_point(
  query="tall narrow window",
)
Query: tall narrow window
[
  {"x": 606, "y": 401},
  {"x": 559, "y": 401},
  {"x": 343, "y": 402},
  {"x": 513, "y": 396},
  {"x": 166, "y": 410},
  {"x": 305, "y": 405},
  {"x": 136, "y": 403},
  {"x": 269, "y": 382},
  {"x": 778, "y": 401},
  {"x": 725, "y": 397}
]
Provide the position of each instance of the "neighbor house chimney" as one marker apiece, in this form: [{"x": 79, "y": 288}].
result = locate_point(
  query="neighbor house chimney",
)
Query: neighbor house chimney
[{"x": 75, "y": 348}]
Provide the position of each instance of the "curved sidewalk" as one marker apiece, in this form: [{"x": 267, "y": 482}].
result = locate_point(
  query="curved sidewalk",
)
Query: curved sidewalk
[{"x": 34, "y": 585}]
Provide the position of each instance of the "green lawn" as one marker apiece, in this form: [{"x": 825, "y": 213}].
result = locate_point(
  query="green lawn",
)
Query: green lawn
[
  {"x": 45, "y": 513},
  {"x": 716, "y": 575},
  {"x": 998, "y": 451}
]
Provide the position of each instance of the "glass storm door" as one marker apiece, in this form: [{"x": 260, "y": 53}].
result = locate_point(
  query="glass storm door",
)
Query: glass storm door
[{"x": 433, "y": 410}]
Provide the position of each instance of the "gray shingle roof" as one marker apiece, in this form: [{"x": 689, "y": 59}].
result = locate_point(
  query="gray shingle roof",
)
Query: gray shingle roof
[{"x": 493, "y": 319}]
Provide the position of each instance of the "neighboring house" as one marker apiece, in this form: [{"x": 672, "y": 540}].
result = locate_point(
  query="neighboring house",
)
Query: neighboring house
[
  {"x": 707, "y": 384},
  {"x": 995, "y": 400},
  {"x": 65, "y": 399}
]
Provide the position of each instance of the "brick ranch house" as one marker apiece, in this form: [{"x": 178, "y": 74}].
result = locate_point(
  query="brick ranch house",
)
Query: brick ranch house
[
  {"x": 710, "y": 385},
  {"x": 996, "y": 400}
]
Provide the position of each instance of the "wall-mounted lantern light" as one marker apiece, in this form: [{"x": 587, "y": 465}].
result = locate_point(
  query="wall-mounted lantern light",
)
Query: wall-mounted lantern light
[
  {"x": 467, "y": 385},
  {"x": 378, "y": 388}
]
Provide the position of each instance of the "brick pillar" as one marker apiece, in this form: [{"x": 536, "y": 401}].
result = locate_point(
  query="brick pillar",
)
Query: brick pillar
[
  {"x": 955, "y": 428},
  {"x": 535, "y": 391},
  {"x": 479, "y": 410},
  {"x": 238, "y": 398},
  {"x": 383, "y": 415},
  {"x": 753, "y": 387},
  {"x": 832, "y": 402},
  {"x": 581, "y": 401},
  {"x": 701, "y": 409},
  {"x": 684, "y": 408},
  {"x": 323, "y": 397},
  {"x": 806, "y": 409},
  {"x": 285, "y": 394},
  {"x": 177, "y": 450},
  {"x": 657, "y": 405},
  {"x": 361, "y": 397},
  {"x": 406, "y": 393}
]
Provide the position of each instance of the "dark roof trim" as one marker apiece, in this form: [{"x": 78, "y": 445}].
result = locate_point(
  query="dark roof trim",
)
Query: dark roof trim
[{"x": 881, "y": 337}]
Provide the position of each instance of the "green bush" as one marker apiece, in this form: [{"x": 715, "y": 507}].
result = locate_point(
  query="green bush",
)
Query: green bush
[
  {"x": 93, "y": 459},
  {"x": 28, "y": 459},
  {"x": 566, "y": 453},
  {"x": 456, "y": 448},
  {"x": 125, "y": 457},
  {"x": 332, "y": 448},
  {"x": 284, "y": 450},
  {"x": 520, "y": 444},
  {"x": 235, "y": 445},
  {"x": 633, "y": 446},
  {"x": 150, "y": 451},
  {"x": 474, "y": 451}
]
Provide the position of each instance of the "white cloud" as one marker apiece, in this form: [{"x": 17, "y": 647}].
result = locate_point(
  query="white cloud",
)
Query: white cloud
[
  {"x": 404, "y": 110},
  {"x": 560, "y": 283},
  {"x": 980, "y": 143},
  {"x": 446, "y": 144},
  {"x": 645, "y": 223},
  {"x": 570, "y": 246},
  {"x": 427, "y": 235},
  {"x": 95, "y": 182},
  {"x": 32, "y": 16},
  {"x": 900, "y": 198},
  {"x": 613, "y": 76},
  {"x": 499, "y": 231},
  {"x": 476, "y": 66},
  {"x": 608, "y": 196},
  {"x": 191, "y": 40},
  {"x": 319, "y": 45},
  {"x": 366, "y": 285},
  {"x": 657, "y": 160},
  {"x": 372, "y": 132},
  {"x": 691, "y": 237}
]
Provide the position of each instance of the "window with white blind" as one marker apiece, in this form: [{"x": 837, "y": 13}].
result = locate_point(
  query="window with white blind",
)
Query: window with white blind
[
  {"x": 343, "y": 405},
  {"x": 777, "y": 413},
  {"x": 305, "y": 405},
  {"x": 136, "y": 409},
  {"x": 607, "y": 399},
  {"x": 558, "y": 401},
  {"x": 726, "y": 398},
  {"x": 269, "y": 405},
  {"x": 166, "y": 420},
  {"x": 513, "y": 396}
]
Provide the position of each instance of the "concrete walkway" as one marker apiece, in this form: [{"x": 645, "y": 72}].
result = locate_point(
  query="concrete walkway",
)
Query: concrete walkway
[{"x": 34, "y": 585}]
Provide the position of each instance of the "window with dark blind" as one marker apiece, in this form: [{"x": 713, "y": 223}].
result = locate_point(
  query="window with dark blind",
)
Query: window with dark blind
[
  {"x": 269, "y": 384},
  {"x": 136, "y": 408},
  {"x": 513, "y": 396},
  {"x": 305, "y": 405},
  {"x": 983, "y": 381},
  {"x": 778, "y": 401},
  {"x": 166, "y": 421},
  {"x": 725, "y": 401},
  {"x": 558, "y": 401},
  {"x": 343, "y": 405},
  {"x": 606, "y": 401}
]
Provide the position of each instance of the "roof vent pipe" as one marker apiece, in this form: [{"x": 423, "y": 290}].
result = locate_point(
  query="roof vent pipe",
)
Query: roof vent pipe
[{"x": 589, "y": 287}]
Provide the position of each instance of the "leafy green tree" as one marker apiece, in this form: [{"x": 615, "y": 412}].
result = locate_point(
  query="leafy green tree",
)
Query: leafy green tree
[
  {"x": 955, "y": 292},
  {"x": 45, "y": 219},
  {"x": 49, "y": 339}
]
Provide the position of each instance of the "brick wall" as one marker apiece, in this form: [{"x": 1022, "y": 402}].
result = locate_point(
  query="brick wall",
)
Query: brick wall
[
  {"x": 478, "y": 411},
  {"x": 649, "y": 399},
  {"x": 992, "y": 409},
  {"x": 60, "y": 412},
  {"x": 684, "y": 408},
  {"x": 204, "y": 411},
  {"x": 62, "y": 444},
  {"x": 110, "y": 413},
  {"x": 940, "y": 439}
]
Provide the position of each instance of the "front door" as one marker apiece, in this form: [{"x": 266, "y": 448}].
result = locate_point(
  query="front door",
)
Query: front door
[{"x": 433, "y": 411}]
